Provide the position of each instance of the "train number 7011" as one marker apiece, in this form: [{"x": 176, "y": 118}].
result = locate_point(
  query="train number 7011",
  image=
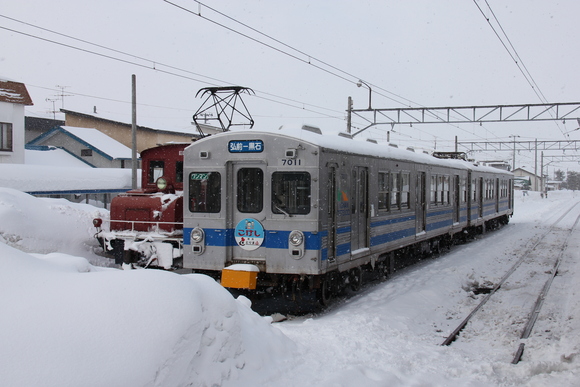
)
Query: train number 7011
[{"x": 289, "y": 162}]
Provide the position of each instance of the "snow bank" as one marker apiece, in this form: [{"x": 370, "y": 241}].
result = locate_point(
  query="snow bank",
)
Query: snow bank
[
  {"x": 48, "y": 225},
  {"x": 43, "y": 178},
  {"x": 67, "y": 323}
]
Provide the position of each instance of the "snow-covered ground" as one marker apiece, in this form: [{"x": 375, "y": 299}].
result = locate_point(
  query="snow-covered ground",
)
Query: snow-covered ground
[{"x": 68, "y": 321}]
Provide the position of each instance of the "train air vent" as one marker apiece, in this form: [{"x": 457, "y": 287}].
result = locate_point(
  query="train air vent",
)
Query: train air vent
[
  {"x": 394, "y": 145},
  {"x": 313, "y": 129},
  {"x": 372, "y": 140},
  {"x": 345, "y": 135}
]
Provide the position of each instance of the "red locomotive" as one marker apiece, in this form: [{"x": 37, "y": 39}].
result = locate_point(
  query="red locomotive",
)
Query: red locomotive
[{"x": 146, "y": 224}]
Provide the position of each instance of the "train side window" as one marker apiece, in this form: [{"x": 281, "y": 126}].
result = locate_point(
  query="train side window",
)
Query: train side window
[
  {"x": 383, "y": 191},
  {"x": 250, "y": 190},
  {"x": 474, "y": 189},
  {"x": 395, "y": 191},
  {"x": 205, "y": 192},
  {"x": 156, "y": 168},
  {"x": 433, "y": 189},
  {"x": 445, "y": 194},
  {"x": 291, "y": 193},
  {"x": 405, "y": 190},
  {"x": 179, "y": 172},
  {"x": 441, "y": 188},
  {"x": 463, "y": 190}
]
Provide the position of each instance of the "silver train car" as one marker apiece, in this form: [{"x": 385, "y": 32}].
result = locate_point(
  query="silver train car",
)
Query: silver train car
[{"x": 296, "y": 210}]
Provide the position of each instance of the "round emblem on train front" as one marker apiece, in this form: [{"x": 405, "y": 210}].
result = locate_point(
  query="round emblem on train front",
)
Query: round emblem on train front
[{"x": 249, "y": 234}]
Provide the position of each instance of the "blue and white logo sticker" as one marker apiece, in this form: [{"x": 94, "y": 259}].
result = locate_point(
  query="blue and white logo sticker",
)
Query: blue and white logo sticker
[{"x": 249, "y": 234}]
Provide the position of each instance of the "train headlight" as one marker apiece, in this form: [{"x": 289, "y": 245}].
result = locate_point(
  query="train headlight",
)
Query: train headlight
[
  {"x": 197, "y": 235},
  {"x": 296, "y": 238},
  {"x": 161, "y": 183}
]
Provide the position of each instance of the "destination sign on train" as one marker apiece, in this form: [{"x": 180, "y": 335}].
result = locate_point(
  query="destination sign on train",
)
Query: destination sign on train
[{"x": 246, "y": 146}]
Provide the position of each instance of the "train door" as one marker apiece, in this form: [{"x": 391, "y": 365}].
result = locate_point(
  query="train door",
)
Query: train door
[
  {"x": 497, "y": 195},
  {"x": 511, "y": 194},
  {"x": 481, "y": 196},
  {"x": 359, "y": 209},
  {"x": 246, "y": 209},
  {"x": 421, "y": 202},
  {"x": 456, "y": 198},
  {"x": 470, "y": 190},
  {"x": 332, "y": 212}
]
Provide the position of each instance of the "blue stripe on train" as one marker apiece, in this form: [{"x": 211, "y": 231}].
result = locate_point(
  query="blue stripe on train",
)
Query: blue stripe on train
[{"x": 273, "y": 239}]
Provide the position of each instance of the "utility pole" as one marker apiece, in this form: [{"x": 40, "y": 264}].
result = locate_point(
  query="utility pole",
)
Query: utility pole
[
  {"x": 134, "y": 133},
  {"x": 536, "y": 165},
  {"x": 514, "y": 158},
  {"x": 359, "y": 84},
  {"x": 348, "y": 115},
  {"x": 542, "y": 174}
]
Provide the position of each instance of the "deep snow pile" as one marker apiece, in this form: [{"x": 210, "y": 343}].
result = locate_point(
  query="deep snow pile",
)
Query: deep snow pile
[
  {"x": 65, "y": 322},
  {"x": 47, "y": 225}
]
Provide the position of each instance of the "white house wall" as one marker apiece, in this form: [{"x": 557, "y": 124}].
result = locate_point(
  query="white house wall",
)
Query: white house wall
[{"x": 14, "y": 114}]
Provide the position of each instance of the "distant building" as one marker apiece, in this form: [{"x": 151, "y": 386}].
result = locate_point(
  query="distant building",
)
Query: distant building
[
  {"x": 35, "y": 126},
  {"x": 87, "y": 144},
  {"x": 122, "y": 131},
  {"x": 535, "y": 181},
  {"x": 554, "y": 185},
  {"x": 13, "y": 98}
]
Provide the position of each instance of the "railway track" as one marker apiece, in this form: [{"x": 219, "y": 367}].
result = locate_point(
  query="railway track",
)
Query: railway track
[{"x": 539, "y": 244}]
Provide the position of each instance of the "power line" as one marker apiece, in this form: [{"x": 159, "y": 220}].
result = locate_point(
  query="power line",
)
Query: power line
[
  {"x": 308, "y": 56},
  {"x": 517, "y": 59},
  {"x": 537, "y": 87},
  {"x": 154, "y": 65}
]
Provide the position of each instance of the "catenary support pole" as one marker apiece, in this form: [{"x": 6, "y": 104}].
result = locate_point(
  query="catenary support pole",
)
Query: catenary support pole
[{"x": 134, "y": 133}]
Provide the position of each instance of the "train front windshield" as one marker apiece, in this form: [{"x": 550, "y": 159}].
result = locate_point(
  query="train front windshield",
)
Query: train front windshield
[
  {"x": 291, "y": 192},
  {"x": 205, "y": 192}
]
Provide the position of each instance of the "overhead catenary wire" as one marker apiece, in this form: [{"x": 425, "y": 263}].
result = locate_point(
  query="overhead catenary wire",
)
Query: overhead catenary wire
[
  {"x": 307, "y": 58},
  {"x": 162, "y": 67},
  {"x": 514, "y": 55},
  {"x": 158, "y": 66}
]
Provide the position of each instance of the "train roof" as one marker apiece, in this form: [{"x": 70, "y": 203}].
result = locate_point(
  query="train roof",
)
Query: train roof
[{"x": 361, "y": 147}]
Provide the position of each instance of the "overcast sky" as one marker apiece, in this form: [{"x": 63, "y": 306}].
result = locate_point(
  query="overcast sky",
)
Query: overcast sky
[{"x": 416, "y": 52}]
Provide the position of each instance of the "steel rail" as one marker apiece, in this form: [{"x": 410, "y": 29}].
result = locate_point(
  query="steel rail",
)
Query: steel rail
[
  {"x": 541, "y": 297},
  {"x": 462, "y": 325}
]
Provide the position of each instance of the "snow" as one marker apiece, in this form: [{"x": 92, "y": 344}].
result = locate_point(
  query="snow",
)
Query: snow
[
  {"x": 53, "y": 156},
  {"x": 101, "y": 141},
  {"x": 68, "y": 321},
  {"x": 47, "y": 178}
]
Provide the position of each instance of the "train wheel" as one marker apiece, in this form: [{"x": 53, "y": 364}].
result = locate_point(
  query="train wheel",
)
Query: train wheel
[
  {"x": 355, "y": 279},
  {"x": 324, "y": 293}
]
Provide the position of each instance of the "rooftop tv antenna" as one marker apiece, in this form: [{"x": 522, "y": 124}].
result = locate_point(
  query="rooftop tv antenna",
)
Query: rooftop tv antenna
[{"x": 222, "y": 102}]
